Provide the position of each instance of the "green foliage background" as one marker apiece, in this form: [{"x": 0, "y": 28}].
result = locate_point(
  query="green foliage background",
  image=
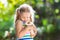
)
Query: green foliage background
[{"x": 47, "y": 17}]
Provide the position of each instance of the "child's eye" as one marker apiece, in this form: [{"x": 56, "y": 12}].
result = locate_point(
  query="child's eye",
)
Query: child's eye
[
  {"x": 28, "y": 17},
  {"x": 23, "y": 17}
]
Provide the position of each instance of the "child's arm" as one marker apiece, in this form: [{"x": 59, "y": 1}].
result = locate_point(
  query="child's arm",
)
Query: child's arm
[
  {"x": 34, "y": 30},
  {"x": 20, "y": 30}
]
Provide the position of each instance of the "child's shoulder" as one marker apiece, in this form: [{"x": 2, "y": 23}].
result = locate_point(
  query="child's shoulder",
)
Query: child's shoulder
[{"x": 19, "y": 21}]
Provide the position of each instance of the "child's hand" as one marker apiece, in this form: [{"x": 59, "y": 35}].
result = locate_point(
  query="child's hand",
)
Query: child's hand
[{"x": 32, "y": 33}]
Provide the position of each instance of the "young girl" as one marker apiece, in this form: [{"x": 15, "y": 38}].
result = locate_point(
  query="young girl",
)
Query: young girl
[{"x": 25, "y": 28}]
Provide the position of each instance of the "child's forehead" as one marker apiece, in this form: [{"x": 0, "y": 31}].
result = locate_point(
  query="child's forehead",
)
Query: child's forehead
[{"x": 26, "y": 13}]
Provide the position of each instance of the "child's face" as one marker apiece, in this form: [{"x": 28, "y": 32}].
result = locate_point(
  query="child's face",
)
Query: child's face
[{"x": 25, "y": 16}]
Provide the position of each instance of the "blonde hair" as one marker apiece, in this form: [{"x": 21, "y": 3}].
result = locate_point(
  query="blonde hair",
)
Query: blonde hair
[{"x": 24, "y": 8}]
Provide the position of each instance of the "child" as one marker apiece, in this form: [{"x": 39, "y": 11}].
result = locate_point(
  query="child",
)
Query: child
[{"x": 25, "y": 28}]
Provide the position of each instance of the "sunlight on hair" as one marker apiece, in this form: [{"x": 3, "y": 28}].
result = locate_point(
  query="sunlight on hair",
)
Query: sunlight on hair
[{"x": 30, "y": 9}]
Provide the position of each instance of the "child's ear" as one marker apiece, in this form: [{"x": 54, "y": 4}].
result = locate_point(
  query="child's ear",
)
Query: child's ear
[
  {"x": 18, "y": 11},
  {"x": 18, "y": 14}
]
